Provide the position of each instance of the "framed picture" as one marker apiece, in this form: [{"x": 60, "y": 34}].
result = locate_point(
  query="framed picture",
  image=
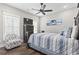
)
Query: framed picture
[{"x": 54, "y": 22}]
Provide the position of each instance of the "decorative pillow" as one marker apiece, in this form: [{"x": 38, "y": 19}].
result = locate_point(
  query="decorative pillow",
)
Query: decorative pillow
[
  {"x": 75, "y": 32},
  {"x": 62, "y": 33},
  {"x": 67, "y": 32},
  {"x": 11, "y": 37}
]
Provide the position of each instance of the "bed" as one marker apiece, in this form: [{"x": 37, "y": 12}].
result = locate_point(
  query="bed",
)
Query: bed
[
  {"x": 53, "y": 44},
  {"x": 64, "y": 43}
]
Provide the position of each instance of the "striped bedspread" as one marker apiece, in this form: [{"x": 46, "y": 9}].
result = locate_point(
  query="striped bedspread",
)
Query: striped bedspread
[{"x": 55, "y": 43}]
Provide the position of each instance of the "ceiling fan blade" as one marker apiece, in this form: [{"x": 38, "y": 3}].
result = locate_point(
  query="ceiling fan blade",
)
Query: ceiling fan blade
[
  {"x": 78, "y": 5},
  {"x": 44, "y": 7},
  {"x": 43, "y": 13},
  {"x": 38, "y": 13},
  {"x": 48, "y": 10},
  {"x": 35, "y": 9}
]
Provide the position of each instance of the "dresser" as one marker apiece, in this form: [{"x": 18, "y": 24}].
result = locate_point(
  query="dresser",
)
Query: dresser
[{"x": 28, "y": 29}]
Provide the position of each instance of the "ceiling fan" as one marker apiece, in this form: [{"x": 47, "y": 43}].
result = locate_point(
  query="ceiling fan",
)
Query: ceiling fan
[{"x": 42, "y": 9}]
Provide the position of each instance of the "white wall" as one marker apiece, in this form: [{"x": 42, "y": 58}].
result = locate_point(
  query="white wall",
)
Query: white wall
[
  {"x": 67, "y": 16},
  {"x": 22, "y": 14}
]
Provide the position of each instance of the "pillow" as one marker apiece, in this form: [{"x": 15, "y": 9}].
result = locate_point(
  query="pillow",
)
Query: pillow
[
  {"x": 74, "y": 34},
  {"x": 67, "y": 32},
  {"x": 62, "y": 33}
]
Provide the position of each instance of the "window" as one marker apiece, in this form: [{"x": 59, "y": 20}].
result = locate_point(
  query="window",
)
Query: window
[
  {"x": 35, "y": 27},
  {"x": 11, "y": 24}
]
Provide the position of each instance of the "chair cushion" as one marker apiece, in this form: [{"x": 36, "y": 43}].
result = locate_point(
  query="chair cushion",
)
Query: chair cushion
[{"x": 11, "y": 41}]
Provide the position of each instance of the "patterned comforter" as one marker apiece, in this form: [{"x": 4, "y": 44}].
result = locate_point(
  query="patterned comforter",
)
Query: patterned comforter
[{"x": 55, "y": 43}]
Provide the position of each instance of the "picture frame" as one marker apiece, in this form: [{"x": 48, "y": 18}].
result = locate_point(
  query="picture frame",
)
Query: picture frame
[{"x": 54, "y": 22}]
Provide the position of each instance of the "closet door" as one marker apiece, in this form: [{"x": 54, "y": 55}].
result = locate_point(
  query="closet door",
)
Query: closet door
[{"x": 11, "y": 24}]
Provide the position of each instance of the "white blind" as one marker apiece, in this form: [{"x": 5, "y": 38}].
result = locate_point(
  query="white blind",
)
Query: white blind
[
  {"x": 35, "y": 27},
  {"x": 11, "y": 24}
]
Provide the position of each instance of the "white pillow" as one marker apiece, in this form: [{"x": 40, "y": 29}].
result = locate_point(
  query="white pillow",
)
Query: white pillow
[{"x": 74, "y": 32}]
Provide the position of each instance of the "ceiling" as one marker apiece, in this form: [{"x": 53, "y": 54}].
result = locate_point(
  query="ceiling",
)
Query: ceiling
[{"x": 56, "y": 7}]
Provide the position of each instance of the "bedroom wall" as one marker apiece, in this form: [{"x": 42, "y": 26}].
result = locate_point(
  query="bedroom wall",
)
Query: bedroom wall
[
  {"x": 22, "y": 14},
  {"x": 67, "y": 17}
]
